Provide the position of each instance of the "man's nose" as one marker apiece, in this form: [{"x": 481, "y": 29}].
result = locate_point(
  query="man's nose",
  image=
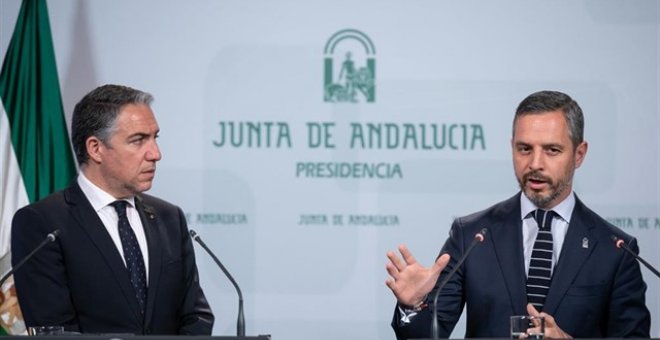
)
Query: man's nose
[
  {"x": 537, "y": 160},
  {"x": 153, "y": 154}
]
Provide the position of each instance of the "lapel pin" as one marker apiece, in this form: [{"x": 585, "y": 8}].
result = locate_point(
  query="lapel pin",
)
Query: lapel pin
[
  {"x": 149, "y": 212},
  {"x": 585, "y": 243}
]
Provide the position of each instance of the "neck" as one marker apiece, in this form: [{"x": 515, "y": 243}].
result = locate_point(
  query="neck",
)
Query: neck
[{"x": 93, "y": 174}]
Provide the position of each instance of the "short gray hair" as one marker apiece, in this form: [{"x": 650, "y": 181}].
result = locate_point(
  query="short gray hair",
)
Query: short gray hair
[
  {"x": 547, "y": 101},
  {"x": 96, "y": 113}
]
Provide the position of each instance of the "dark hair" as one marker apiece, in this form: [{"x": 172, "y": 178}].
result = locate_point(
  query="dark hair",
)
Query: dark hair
[
  {"x": 96, "y": 113},
  {"x": 547, "y": 101}
]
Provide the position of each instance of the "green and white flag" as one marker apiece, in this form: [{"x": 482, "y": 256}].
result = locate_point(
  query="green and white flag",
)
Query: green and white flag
[{"x": 35, "y": 154}]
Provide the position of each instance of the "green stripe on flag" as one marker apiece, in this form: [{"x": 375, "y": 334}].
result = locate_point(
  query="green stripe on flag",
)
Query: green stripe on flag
[
  {"x": 30, "y": 92},
  {"x": 36, "y": 157}
]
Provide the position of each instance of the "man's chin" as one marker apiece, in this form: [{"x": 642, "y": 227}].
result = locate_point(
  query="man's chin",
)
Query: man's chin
[
  {"x": 537, "y": 198},
  {"x": 142, "y": 187}
]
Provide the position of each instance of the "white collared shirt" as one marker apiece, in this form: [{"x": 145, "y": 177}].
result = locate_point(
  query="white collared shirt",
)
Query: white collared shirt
[
  {"x": 101, "y": 201},
  {"x": 559, "y": 227}
]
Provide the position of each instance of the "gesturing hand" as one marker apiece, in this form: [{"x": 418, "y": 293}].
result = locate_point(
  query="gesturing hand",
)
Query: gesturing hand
[{"x": 409, "y": 281}]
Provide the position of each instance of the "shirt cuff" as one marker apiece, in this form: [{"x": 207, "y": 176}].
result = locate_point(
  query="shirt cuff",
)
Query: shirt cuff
[{"x": 406, "y": 315}]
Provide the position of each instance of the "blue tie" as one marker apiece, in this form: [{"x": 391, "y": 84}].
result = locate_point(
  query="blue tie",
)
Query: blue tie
[
  {"x": 132, "y": 254},
  {"x": 539, "y": 276}
]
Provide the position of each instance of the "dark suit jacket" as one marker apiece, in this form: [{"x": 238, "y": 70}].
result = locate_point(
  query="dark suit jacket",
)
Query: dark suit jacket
[
  {"x": 81, "y": 282},
  {"x": 597, "y": 291}
]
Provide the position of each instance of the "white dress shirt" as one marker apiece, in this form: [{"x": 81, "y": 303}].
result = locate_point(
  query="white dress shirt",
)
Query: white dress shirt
[
  {"x": 530, "y": 229},
  {"x": 101, "y": 201}
]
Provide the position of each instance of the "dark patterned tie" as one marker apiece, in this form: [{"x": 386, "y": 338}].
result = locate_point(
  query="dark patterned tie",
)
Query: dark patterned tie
[
  {"x": 540, "y": 266},
  {"x": 132, "y": 254}
]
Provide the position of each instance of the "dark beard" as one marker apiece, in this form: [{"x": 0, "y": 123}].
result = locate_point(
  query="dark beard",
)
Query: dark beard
[{"x": 543, "y": 202}]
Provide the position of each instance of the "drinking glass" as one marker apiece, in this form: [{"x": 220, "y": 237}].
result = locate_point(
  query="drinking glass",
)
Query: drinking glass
[{"x": 527, "y": 327}]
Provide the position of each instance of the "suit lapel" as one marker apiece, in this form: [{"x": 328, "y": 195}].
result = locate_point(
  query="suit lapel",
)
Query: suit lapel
[
  {"x": 151, "y": 225},
  {"x": 578, "y": 245},
  {"x": 92, "y": 225},
  {"x": 507, "y": 240}
]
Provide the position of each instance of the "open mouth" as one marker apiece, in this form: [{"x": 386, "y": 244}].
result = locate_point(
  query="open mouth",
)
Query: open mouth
[{"x": 536, "y": 182}]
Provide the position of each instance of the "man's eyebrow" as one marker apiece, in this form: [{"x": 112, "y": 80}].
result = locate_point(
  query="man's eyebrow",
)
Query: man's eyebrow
[
  {"x": 139, "y": 134},
  {"x": 553, "y": 145}
]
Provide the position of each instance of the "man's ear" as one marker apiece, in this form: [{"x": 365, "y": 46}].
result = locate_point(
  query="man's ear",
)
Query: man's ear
[
  {"x": 580, "y": 153},
  {"x": 93, "y": 146}
]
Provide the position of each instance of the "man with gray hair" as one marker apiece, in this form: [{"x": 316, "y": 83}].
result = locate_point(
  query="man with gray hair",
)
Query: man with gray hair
[
  {"x": 545, "y": 253},
  {"x": 124, "y": 261}
]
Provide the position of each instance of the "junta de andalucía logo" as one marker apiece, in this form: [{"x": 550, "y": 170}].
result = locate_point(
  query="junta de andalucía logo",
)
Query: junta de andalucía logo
[{"x": 349, "y": 68}]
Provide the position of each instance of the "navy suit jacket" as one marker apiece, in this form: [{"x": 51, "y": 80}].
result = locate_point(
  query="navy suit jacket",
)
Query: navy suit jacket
[
  {"x": 597, "y": 290},
  {"x": 80, "y": 280}
]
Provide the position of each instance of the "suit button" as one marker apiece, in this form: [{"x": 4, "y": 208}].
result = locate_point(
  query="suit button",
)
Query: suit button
[{"x": 147, "y": 331}]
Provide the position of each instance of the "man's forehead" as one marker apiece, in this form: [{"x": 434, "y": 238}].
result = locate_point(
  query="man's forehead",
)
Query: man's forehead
[
  {"x": 541, "y": 132},
  {"x": 137, "y": 119}
]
